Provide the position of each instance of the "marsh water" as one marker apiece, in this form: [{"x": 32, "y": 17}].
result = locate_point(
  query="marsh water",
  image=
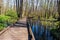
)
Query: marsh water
[{"x": 40, "y": 32}]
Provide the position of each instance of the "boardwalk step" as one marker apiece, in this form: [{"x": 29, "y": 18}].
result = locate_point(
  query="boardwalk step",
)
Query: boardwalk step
[{"x": 19, "y": 25}]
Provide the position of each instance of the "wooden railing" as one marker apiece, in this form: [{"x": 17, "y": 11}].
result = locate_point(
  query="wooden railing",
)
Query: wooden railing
[
  {"x": 29, "y": 28},
  {"x": 31, "y": 33}
]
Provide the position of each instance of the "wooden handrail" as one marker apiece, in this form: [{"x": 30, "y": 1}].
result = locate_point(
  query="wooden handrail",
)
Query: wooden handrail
[
  {"x": 31, "y": 33},
  {"x": 30, "y": 30}
]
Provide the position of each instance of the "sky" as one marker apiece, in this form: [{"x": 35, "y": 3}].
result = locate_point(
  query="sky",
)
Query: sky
[{"x": 10, "y": 2}]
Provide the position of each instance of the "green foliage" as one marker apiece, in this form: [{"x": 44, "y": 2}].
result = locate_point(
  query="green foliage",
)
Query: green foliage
[
  {"x": 12, "y": 14},
  {"x": 56, "y": 15},
  {"x": 51, "y": 18},
  {"x": 8, "y": 18},
  {"x": 2, "y": 26},
  {"x": 4, "y": 19},
  {"x": 56, "y": 32}
]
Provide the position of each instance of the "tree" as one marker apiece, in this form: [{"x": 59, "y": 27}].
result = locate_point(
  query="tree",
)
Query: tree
[
  {"x": 19, "y": 7},
  {"x": 58, "y": 2},
  {"x": 0, "y": 6},
  {"x": 14, "y": 7}
]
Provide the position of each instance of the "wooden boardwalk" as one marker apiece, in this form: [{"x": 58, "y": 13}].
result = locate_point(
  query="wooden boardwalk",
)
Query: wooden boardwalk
[{"x": 15, "y": 33}]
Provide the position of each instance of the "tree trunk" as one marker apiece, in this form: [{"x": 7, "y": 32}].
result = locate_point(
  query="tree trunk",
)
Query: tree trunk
[
  {"x": 58, "y": 2},
  {"x": 59, "y": 10},
  {"x": 0, "y": 6},
  {"x": 19, "y": 7}
]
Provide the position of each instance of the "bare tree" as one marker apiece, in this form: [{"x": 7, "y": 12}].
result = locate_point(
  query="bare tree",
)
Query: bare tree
[
  {"x": 59, "y": 9},
  {"x": 0, "y": 6},
  {"x": 58, "y": 2},
  {"x": 19, "y": 7},
  {"x": 14, "y": 5}
]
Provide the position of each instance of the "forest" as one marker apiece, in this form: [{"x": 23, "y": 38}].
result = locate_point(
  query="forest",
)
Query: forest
[{"x": 46, "y": 11}]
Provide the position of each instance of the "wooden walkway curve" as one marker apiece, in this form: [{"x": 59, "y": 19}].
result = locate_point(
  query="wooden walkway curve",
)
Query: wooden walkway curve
[{"x": 16, "y": 33}]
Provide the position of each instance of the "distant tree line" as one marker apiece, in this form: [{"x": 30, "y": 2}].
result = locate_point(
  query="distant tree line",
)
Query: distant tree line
[{"x": 6, "y": 5}]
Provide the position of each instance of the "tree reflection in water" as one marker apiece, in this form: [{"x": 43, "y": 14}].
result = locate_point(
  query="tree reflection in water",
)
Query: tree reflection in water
[{"x": 38, "y": 31}]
